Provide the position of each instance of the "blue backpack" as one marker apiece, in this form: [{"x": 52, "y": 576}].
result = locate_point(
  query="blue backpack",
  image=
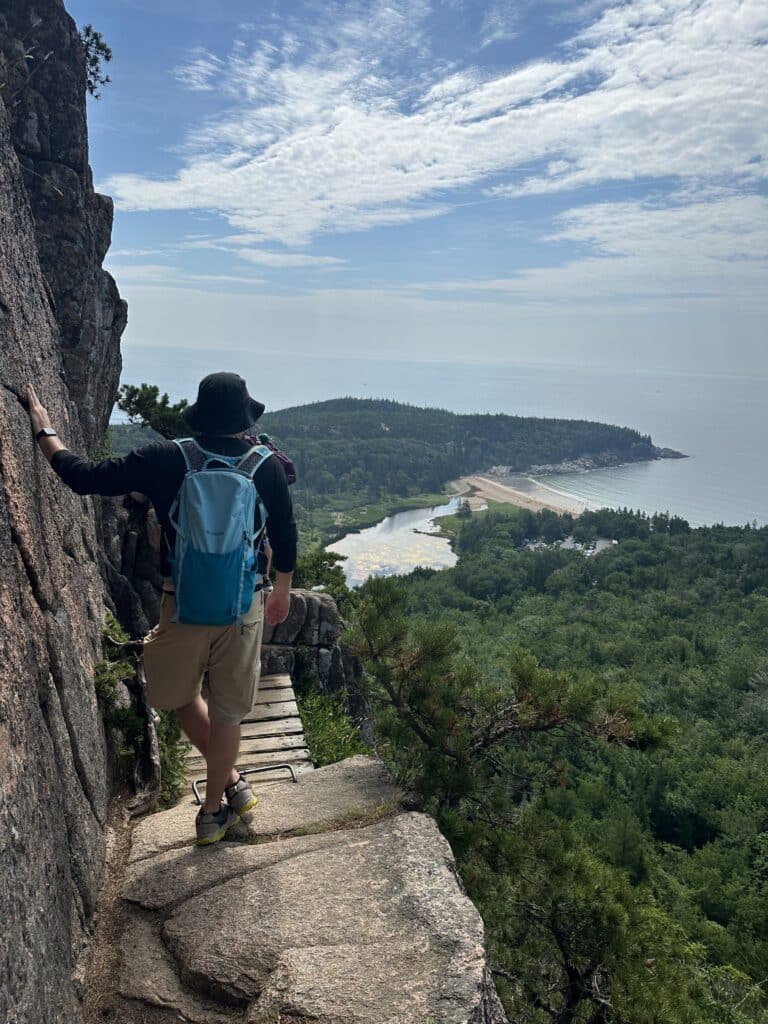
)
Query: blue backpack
[{"x": 220, "y": 522}]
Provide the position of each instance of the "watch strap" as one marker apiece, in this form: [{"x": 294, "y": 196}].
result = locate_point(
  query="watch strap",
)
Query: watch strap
[{"x": 45, "y": 432}]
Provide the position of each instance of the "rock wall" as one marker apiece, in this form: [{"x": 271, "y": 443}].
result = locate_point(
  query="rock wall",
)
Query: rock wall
[
  {"x": 53, "y": 784},
  {"x": 60, "y": 320},
  {"x": 130, "y": 544},
  {"x": 43, "y": 79},
  {"x": 307, "y": 642}
]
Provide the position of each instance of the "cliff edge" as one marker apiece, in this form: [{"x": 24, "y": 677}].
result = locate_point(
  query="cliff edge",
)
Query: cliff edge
[{"x": 334, "y": 904}]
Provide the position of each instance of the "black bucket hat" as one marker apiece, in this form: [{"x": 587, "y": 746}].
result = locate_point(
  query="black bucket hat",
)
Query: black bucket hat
[{"x": 223, "y": 406}]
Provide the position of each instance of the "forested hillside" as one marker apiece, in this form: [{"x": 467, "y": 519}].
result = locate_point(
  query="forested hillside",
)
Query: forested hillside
[
  {"x": 373, "y": 447},
  {"x": 357, "y": 458},
  {"x": 592, "y": 734}
]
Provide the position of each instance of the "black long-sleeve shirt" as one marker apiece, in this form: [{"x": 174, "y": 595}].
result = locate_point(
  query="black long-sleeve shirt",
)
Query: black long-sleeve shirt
[{"x": 158, "y": 469}]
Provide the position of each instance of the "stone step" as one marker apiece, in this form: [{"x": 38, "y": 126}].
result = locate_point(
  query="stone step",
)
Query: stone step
[{"x": 353, "y": 916}]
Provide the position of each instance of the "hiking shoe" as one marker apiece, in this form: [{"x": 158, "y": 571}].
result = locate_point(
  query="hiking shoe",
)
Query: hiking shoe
[
  {"x": 212, "y": 826},
  {"x": 240, "y": 797}
]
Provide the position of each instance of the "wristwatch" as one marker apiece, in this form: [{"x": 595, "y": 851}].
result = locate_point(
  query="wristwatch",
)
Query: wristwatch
[{"x": 45, "y": 432}]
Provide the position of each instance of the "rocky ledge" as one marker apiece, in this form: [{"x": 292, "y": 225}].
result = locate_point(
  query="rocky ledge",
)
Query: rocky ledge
[{"x": 334, "y": 905}]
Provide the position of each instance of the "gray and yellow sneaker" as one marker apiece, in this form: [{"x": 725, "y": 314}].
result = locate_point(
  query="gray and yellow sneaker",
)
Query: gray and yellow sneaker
[
  {"x": 240, "y": 797},
  {"x": 212, "y": 826}
]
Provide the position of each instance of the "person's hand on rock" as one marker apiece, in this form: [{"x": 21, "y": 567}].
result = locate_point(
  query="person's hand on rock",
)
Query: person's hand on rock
[{"x": 38, "y": 414}]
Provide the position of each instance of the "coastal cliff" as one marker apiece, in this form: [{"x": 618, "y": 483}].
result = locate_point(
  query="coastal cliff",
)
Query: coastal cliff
[
  {"x": 60, "y": 324},
  {"x": 55, "y": 762}
]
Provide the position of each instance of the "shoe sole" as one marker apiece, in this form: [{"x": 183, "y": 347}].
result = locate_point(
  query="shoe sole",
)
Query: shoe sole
[
  {"x": 208, "y": 840},
  {"x": 248, "y": 807}
]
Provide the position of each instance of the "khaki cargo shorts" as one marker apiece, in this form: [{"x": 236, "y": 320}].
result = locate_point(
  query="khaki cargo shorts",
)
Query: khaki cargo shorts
[{"x": 176, "y": 657}]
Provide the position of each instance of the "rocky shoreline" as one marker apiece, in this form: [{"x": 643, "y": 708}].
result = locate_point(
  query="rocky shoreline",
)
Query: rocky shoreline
[{"x": 586, "y": 463}]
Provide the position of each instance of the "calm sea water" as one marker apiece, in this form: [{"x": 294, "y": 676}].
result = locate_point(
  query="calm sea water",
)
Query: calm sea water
[{"x": 721, "y": 422}]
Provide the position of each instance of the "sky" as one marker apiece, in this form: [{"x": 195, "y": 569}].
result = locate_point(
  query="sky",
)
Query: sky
[{"x": 530, "y": 181}]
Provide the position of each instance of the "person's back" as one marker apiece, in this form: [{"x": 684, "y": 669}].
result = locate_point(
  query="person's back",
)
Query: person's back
[{"x": 178, "y": 654}]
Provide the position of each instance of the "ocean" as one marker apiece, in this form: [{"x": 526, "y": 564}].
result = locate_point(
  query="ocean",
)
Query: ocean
[{"x": 719, "y": 421}]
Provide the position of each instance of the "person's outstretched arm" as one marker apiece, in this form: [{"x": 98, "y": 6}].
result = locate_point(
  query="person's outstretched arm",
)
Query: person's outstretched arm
[
  {"x": 38, "y": 414},
  {"x": 135, "y": 472}
]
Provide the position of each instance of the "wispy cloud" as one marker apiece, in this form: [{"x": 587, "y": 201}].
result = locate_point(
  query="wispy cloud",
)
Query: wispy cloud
[
  {"x": 222, "y": 279},
  {"x": 141, "y": 273},
  {"x": 285, "y": 259},
  {"x": 501, "y": 21},
  {"x": 713, "y": 251},
  {"x": 350, "y": 127},
  {"x": 240, "y": 245},
  {"x": 199, "y": 71},
  {"x": 136, "y": 253},
  {"x": 164, "y": 275}
]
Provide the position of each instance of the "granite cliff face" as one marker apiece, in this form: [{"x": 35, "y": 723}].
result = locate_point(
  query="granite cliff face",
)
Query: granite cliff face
[
  {"x": 54, "y": 779},
  {"x": 60, "y": 319},
  {"x": 43, "y": 80}
]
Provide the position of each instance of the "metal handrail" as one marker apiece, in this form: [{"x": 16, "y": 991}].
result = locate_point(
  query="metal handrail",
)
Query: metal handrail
[{"x": 246, "y": 771}]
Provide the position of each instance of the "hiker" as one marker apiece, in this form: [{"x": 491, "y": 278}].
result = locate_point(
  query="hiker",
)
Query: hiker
[{"x": 212, "y": 606}]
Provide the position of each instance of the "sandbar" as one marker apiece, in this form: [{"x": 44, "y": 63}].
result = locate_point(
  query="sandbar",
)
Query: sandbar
[{"x": 523, "y": 491}]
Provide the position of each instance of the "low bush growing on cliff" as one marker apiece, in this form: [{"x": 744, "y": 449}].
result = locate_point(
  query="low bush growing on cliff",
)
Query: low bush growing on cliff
[
  {"x": 112, "y": 675},
  {"x": 116, "y": 672},
  {"x": 173, "y": 748},
  {"x": 97, "y": 53},
  {"x": 330, "y": 733}
]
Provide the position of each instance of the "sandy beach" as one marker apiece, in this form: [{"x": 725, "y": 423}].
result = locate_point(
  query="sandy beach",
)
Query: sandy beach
[{"x": 522, "y": 491}]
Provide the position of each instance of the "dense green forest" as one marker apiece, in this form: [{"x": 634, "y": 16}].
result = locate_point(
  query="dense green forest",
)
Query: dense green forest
[
  {"x": 358, "y": 459},
  {"x": 591, "y": 733},
  {"x": 374, "y": 447}
]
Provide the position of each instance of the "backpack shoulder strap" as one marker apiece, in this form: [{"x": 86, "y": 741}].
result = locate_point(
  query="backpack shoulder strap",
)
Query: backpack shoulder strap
[
  {"x": 194, "y": 456},
  {"x": 254, "y": 459}
]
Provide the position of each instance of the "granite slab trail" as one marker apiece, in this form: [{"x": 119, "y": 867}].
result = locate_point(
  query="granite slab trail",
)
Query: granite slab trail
[{"x": 332, "y": 904}]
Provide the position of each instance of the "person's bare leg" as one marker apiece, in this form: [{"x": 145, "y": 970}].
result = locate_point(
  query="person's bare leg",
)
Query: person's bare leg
[
  {"x": 223, "y": 747},
  {"x": 193, "y": 719}
]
